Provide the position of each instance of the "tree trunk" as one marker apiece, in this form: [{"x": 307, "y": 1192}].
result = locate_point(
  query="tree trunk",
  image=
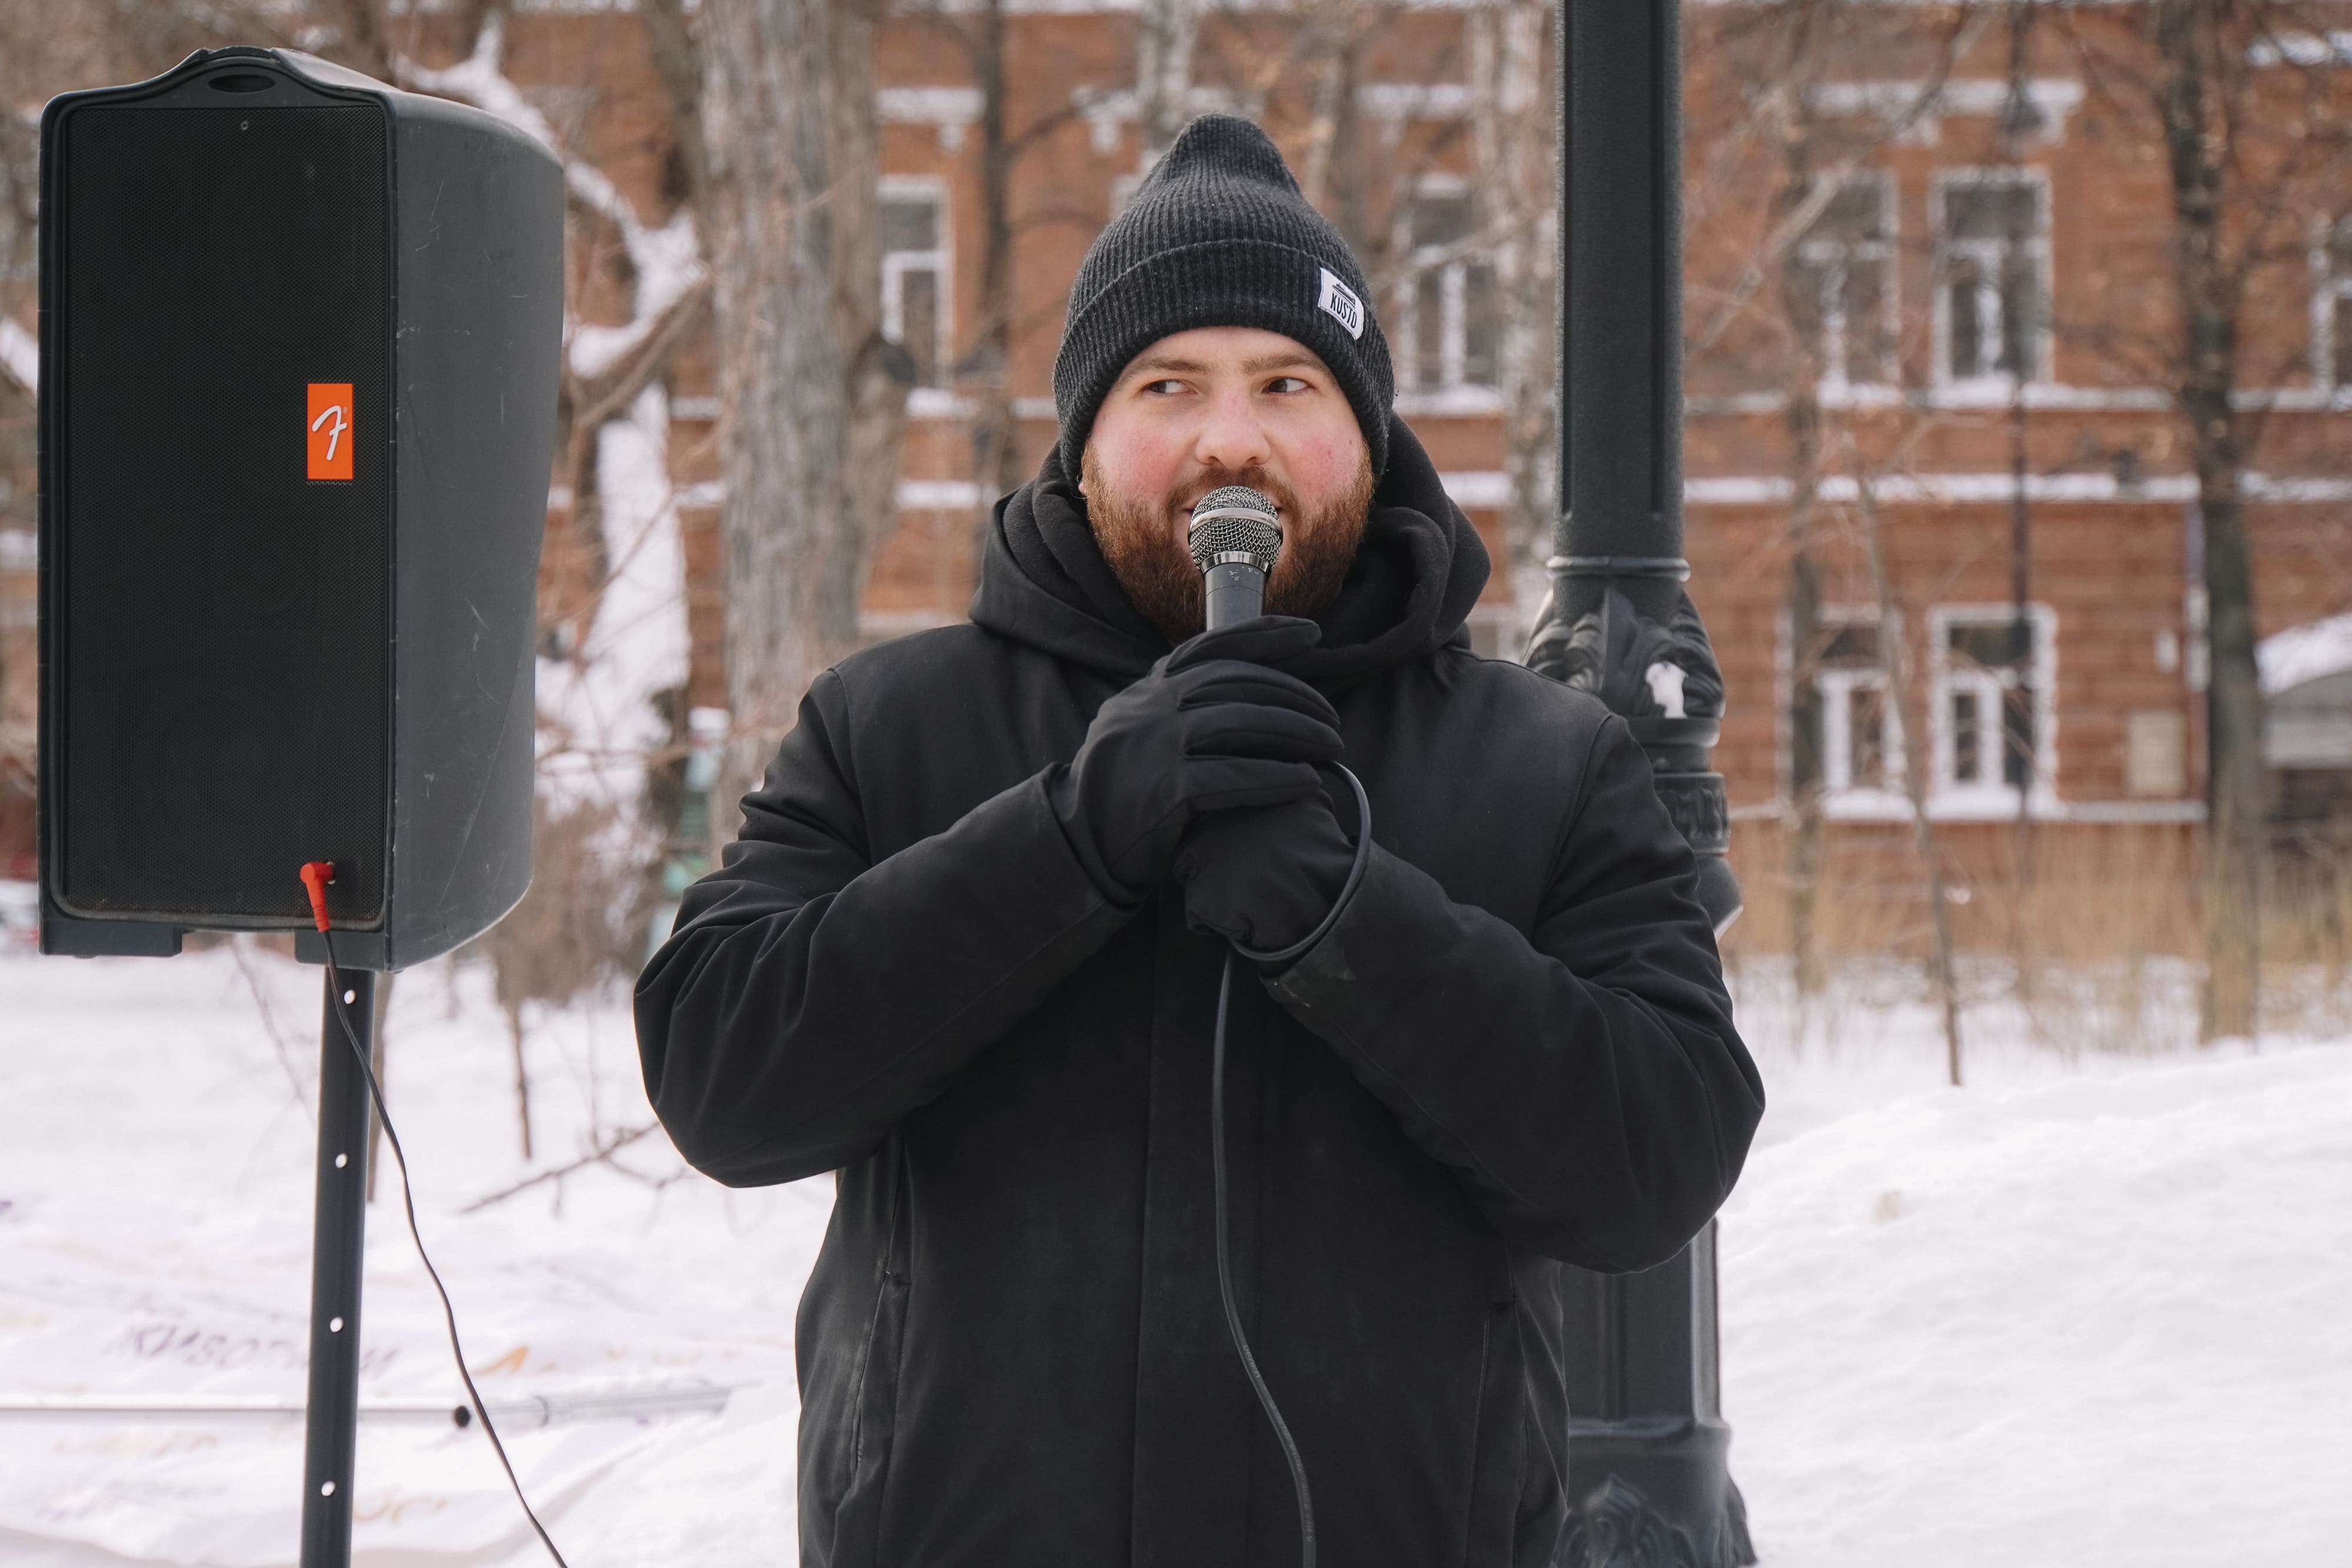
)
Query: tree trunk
[
  {"x": 677, "y": 60},
  {"x": 1802, "y": 600},
  {"x": 987, "y": 368},
  {"x": 1331, "y": 164},
  {"x": 1513, "y": 152},
  {"x": 1943, "y": 968},
  {"x": 1164, "y": 35},
  {"x": 521, "y": 1075},
  {"x": 812, "y": 396},
  {"x": 2018, "y": 737},
  {"x": 2188, "y": 36},
  {"x": 1803, "y": 606},
  {"x": 879, "y": 373},
  {"x": 363, "y": 41}
]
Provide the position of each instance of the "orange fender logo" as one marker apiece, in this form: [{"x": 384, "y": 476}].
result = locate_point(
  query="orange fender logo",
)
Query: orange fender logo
[{"x": 330, "y": 429}]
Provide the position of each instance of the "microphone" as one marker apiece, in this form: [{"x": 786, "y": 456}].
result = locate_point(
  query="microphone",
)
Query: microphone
[{"x": 1234, "y": 540}]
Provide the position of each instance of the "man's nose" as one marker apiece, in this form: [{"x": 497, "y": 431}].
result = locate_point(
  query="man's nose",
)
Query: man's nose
[{"x": 1232, "y": 437}]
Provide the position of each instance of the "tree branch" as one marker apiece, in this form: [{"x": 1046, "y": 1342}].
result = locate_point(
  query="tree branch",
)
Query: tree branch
[{"x": 601, "y": 1154}]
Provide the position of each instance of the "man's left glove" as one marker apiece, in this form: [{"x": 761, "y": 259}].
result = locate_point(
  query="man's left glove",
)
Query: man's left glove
[{"x": 1264, "y": 876}]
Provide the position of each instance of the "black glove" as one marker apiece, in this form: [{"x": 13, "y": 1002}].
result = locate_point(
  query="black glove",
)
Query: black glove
[
  {"x": 1263, "y": 877},
  {"x": 1208, "y": 728}
]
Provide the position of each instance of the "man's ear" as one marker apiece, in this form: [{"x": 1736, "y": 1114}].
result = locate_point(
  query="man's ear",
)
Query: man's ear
[{"x": 1085, "y": 453}]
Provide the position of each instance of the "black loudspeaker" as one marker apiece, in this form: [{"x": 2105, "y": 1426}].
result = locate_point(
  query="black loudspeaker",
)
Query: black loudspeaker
[{"x": 299, "y": 339}]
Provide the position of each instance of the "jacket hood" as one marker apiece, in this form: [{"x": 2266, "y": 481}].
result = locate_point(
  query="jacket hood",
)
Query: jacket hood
[{"x": 1420, "y": 570}]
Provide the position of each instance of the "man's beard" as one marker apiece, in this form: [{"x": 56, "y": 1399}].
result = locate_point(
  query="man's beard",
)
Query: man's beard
[{"x": 1157, "y": 571}]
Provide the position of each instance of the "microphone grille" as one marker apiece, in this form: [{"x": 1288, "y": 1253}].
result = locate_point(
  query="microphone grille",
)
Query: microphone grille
[{"x": 1235, "y": 520}]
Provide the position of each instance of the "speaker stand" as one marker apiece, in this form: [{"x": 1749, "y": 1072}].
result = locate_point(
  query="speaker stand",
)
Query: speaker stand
[{"x": 339, "y": 1229}]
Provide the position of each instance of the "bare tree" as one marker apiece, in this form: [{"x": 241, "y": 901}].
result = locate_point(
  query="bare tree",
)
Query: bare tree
[
  {"x": 984, "y": 370},
  {"x": 2247, "y": 169},
  {"x": 1331, "y": 39},
  {"x": 1358, "y": 168},
  {"x": 812, "y": 396},
  {"x": 1771, "y": 324},
  {"x": 2194, "y": 39},
  {"x": 1515, "y": 166},
  {"x": 1165, "y": 33},
  {"x": 1912, "y": 721},
  {"x": 1013, "y": 124},
  {"x": 2019, "y": 119}
]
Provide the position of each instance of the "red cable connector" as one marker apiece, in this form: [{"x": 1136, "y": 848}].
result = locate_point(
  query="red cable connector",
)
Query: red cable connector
[{"x": 316, "y": 875}]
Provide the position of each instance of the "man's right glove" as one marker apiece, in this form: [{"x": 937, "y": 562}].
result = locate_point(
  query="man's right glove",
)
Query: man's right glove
[{"x": 1209, "y": 727}]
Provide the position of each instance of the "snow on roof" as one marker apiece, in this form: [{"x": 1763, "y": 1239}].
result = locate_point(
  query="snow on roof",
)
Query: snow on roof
[{"x": 2303, "y": 654}]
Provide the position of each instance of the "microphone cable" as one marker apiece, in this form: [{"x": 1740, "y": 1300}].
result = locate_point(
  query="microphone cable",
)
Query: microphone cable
[
  {"x": 1217, "y": 1156},
  {"x": 315, "y": 877}
]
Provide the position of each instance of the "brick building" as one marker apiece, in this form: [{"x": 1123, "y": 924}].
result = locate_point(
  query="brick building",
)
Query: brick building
[
  {"x": 1987, "y": 300},
  {"x": 1973, "y": 319}
]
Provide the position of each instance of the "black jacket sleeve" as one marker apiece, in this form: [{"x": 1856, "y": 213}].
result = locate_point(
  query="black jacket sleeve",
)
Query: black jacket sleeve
[
  {"x": 810, "y": 996},
  {"x": 1585, "y": 1081}
]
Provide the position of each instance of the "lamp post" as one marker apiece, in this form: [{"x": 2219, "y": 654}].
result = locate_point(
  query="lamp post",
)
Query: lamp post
[{"x": 1648, "y": 1478}]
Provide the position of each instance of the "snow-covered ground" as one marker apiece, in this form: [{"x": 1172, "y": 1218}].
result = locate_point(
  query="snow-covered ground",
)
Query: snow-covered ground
[{"x": 2080, "y": 1314}]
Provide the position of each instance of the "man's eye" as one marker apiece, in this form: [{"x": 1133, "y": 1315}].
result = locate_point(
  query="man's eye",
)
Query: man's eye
[
  {"x": 1283, "y": 385},
  {"x": 1165, "y": 387}
]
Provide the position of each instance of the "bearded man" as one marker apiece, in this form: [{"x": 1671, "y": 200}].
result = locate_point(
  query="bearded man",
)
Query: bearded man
[{"x": 966, "y": 955}]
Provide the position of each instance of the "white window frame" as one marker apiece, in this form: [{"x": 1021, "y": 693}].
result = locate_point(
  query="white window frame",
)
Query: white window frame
[
  {"x": 1833, "y": 256},
  {"x": 938, "y": 260},
  {"x": 1979, "y": 798},
  {"x": 1842, "y": 798},
  {"x": 1992, "y": 323},
  {"x": 1452, "y": 393}
]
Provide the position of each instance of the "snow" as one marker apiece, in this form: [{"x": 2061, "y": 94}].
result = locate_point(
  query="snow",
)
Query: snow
[
  {"x": 2079, "y": 1315},
  {"x": 597, "y": 719},
  {"x": 20, "y": 354},
  {"x": 154, "y": 1234},
  {"x": 2302, "y": 653},
  {"x": 2085, "y": 1312}
]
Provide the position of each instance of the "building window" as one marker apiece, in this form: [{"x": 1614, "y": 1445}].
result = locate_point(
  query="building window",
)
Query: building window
[
  {"x": 2331, "y": 346},
  {"x": 1861, "y": 737},
  {"x": 1448, "y": 311},
  {"x": 1992, "y": 693},
  {"x": 1993, "y": 242},
  {"x": 915, "y": 273},
  {"x": 1842, "y": 284}
]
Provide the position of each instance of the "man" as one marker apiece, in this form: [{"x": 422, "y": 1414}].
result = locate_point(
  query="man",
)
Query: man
[{"x": 966, "y": 954}]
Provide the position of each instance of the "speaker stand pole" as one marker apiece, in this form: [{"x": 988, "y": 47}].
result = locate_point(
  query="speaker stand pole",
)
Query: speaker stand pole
[{"x": 339, "y": 1227}]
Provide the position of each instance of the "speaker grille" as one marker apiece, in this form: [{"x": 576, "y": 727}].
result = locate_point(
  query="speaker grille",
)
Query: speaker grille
[{"x": 223, "y": 620}]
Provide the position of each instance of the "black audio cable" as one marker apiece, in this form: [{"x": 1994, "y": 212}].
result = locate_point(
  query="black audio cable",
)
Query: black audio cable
[
  {"x": 315, "y": 883},
  {"x": 1217, "y": 1156}
]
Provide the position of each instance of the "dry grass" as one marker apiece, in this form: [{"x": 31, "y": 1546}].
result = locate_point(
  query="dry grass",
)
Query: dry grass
[
  {"x": 581, "y": 928},
  {"x": 2093, "y": 932}
]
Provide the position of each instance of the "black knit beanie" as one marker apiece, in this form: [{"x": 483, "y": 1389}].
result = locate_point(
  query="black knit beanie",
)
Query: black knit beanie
[{"x": 1218, "y": 234}]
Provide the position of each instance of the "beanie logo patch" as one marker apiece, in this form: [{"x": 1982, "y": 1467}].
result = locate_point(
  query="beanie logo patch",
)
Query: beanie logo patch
[{"x": 1340, "y": 302}]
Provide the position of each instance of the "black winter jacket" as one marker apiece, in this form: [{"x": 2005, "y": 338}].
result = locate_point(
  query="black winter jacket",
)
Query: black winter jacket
[{"x": 1514, "y": 1049}]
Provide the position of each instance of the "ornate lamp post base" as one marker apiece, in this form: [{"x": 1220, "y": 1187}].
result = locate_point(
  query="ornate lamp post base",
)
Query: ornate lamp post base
[{"x": 1648, "y": 1454}]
